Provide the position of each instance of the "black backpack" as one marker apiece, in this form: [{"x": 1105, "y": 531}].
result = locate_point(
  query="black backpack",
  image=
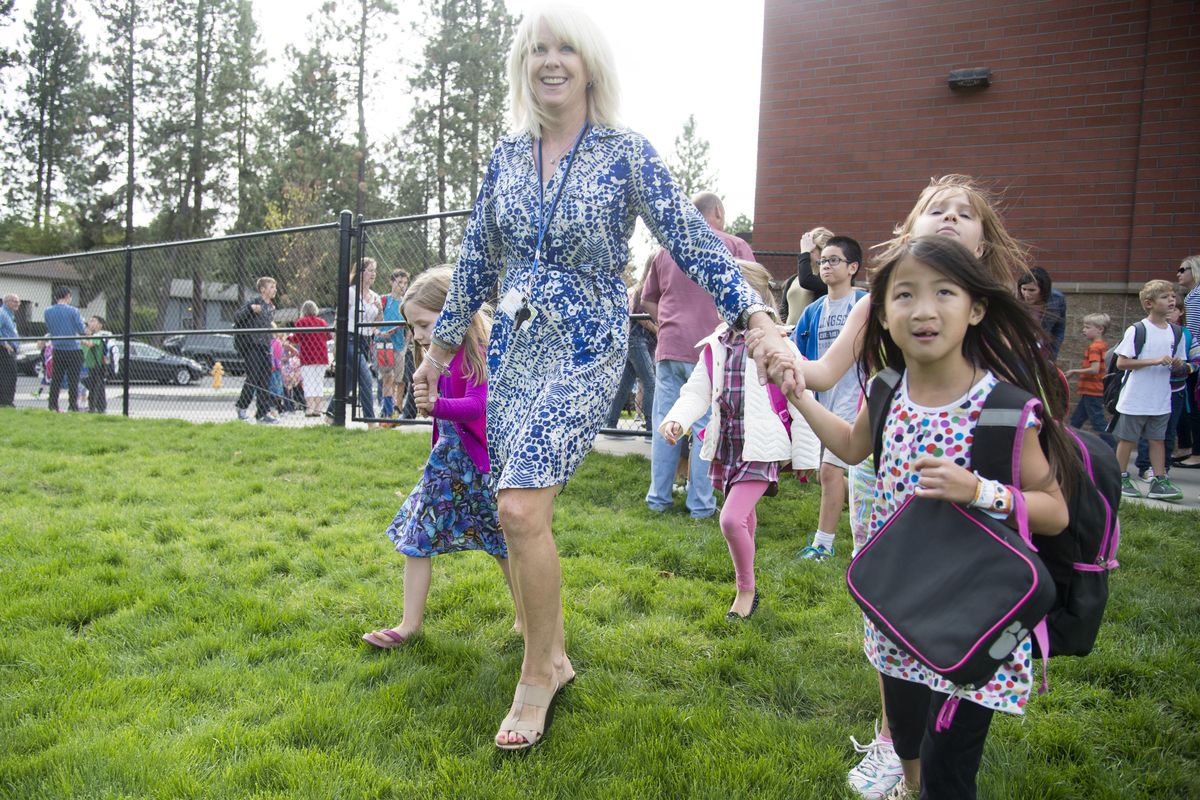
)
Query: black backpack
[
  {"x": 1078, "y": 559},
  {"x": 1114, "y": 379}
]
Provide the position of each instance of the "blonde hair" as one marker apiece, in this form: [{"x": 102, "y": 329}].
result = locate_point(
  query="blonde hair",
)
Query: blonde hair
[
  {"x": 821, "y": 236},
  {"x": 1006, "y": 258},
  {"x": 1153, "y": 289},
  {"x": 572, "y": 26},
  {"x": 757, "y": 276},
  {"x": 428, "y": 291},
  {"x": 263, "y": 282},
  {"x": 1098, "y": 320},
  {"x": 1192, "y": 263}
]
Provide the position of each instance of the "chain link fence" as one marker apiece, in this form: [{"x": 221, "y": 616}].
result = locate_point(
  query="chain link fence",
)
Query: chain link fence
[{"x": 163, "y": 337}]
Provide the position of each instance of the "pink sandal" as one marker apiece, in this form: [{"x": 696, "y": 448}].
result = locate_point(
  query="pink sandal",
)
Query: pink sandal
[{"x": 386, "y": 639}]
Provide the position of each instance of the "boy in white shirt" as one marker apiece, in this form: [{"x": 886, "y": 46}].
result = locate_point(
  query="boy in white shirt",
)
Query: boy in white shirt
[
  {"x": 1145, "y": 401},
  {"x": 818, "y": 327}
]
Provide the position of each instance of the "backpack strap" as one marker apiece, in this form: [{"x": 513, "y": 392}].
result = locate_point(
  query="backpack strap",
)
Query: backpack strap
[
  {"x": 996, "y": 443},
  {"x": 708, "y": 361},
  {"x": 779, "y": 403},
  {"x": 879, "y": 397}
]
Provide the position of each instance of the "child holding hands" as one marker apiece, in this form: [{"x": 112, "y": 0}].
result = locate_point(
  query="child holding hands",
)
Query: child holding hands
[
  {"x": 746, "y": 438},
  {"x": 453, "y": 507},
  {"x": 954, "y": 330}
]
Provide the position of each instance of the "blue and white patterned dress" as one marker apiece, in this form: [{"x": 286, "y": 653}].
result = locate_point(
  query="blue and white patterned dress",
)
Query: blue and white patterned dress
[{"x": 551, "y": 384}]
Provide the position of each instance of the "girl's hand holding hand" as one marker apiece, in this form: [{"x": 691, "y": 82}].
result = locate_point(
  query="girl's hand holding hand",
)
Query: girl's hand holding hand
[
  {"x": 671, "y": 431},
  {"x": 942, "y": 479},
  {"x": 424, "y": 387}
]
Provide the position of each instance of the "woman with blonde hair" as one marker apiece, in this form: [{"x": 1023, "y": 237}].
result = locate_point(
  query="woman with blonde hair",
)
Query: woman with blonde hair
[{"x": 551, "y": 226}]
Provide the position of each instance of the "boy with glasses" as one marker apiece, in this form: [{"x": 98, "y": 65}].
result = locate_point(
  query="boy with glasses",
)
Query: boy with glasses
[{"x": 819, "y": 325}]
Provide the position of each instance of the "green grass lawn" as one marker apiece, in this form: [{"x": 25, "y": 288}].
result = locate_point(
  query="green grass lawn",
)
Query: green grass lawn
[{"x": 182, "y": 605}]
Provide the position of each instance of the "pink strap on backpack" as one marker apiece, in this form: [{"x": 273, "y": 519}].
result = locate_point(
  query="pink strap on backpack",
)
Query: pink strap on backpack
[{"x": 779, "y": 403}]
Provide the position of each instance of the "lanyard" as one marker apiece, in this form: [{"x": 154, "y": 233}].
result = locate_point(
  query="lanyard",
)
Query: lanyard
[{"x": 544, "y": 216}]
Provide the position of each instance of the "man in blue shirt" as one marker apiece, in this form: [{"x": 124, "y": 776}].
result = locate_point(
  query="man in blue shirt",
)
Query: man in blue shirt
[
  {"x": 8, "y": 349},
  {"x": 62, "y": 319}
]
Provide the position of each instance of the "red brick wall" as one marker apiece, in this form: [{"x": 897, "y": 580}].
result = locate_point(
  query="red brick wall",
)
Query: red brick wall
[{"x": 1091, "y": 124}]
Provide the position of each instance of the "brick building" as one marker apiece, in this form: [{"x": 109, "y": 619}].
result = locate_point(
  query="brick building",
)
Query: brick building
[{"x": 1091, "y": 125}]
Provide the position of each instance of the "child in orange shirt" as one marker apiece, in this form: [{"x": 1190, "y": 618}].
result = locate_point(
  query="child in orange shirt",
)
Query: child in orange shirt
[{"x": 1091, "y": 378}]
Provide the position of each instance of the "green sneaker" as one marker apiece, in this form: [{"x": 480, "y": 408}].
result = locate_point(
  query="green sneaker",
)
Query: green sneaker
[
  {"x": 1163, "y": 489},
  {"x": 817, "y": 553},
  {"x": 1127, "y": 487}
]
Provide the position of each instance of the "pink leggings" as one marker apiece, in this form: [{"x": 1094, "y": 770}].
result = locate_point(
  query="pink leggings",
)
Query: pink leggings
[{"x": 738, "y": 522}]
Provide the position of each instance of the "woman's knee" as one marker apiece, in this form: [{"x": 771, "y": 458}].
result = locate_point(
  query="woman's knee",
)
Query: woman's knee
[{"x": 523, "y": 513}]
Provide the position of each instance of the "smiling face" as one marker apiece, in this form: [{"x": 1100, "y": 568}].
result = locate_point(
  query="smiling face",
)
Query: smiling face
[
  {"x": 927, "y": 314},
  {"x": 951, "y": 214},
  {"x": 421, "y": 320},
  {"x": 557, "y": 75}
]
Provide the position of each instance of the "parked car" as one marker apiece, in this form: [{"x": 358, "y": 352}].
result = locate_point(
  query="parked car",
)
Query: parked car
[
  {"x": 29, "y": 358},
  {"x": 207, "y": 349},
  {"x": 151, "y": 364}
]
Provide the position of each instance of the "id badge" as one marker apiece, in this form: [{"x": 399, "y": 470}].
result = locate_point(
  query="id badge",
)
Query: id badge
[{"x": 511, "y": 302}]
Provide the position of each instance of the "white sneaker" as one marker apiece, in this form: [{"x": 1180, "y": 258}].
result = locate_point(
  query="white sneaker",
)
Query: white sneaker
[{"x": 880, "y": 772}]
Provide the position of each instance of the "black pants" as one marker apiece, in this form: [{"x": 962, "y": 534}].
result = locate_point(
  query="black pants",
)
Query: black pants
[
  {"x": 67, "y": 366},
  {"x": 97, "y": 398},
  {"x": 258, "y": 379},
  {"x": 949, "y": 760},
  {"x": 8, "y": 376}
]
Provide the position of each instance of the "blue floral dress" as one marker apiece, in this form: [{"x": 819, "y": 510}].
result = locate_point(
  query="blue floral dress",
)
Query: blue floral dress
[
  {"x": 452, "y": 508},
  {"x": 552, "y": 381}
]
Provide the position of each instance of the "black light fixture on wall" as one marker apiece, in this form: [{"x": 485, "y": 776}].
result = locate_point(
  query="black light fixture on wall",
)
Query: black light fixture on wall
[{"x": 972, "y": 78}]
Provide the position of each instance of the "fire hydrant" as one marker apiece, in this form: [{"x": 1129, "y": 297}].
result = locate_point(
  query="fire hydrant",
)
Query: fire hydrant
[{"x": 218, "y": 372}]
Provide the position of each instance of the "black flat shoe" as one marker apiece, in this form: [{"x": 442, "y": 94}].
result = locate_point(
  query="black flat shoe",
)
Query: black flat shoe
[{"x": 733, "y": 616}]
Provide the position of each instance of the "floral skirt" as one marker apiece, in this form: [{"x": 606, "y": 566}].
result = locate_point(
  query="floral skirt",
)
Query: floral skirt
[{"x": 453, "y": 507}]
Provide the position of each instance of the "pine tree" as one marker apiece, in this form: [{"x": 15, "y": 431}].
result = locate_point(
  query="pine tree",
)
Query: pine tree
[
  {"x": 54, "y": 105},
  {"x": 460, "y": 91},
  {"x": 690, "y": 167},
  {"x": 7, "y": 57}
]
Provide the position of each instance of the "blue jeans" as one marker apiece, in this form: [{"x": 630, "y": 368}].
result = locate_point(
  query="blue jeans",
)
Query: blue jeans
[
  {"x": 1143, "y": 447},
  {"x": 1091, "y": 408},
  {"x": 639, "y": 365},
  {"x": 360, "y": 370},
  {"x": 670, "y": 376}
]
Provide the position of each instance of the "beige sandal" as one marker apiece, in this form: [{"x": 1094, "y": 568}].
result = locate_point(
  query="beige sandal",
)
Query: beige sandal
[{"x": 527, "y": 695}]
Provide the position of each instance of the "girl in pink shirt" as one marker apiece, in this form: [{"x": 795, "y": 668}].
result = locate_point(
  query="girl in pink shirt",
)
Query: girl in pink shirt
[{"x": 453, "y": 507}]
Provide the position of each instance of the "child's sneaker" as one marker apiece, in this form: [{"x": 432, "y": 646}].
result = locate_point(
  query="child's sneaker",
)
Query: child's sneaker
[
  {"x": 1163, "y": 489},
  {"x": 1145, "y": 475},
  {"x": 880, "y": 771},
  {"x": 1127, "y": 487},
  {"x": 817, "y": 553}
]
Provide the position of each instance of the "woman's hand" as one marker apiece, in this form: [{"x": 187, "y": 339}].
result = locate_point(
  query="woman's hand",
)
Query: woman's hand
[
  {"x": 671, "y": 431},
  {"x": 425, "y": 379},
  {"x": 942, "y": 479},
  {"x": 770, "y": 351}
]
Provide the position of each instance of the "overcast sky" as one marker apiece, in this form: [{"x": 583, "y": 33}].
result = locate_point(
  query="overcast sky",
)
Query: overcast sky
[{"x": 674, "y": 57}]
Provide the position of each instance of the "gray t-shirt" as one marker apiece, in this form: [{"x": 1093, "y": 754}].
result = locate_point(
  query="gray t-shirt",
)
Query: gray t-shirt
[{"x": 843, "y": 399}]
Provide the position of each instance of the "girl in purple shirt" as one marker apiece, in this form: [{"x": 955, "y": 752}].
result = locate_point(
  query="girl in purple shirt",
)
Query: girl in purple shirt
[{"x": 453, "y": 507}]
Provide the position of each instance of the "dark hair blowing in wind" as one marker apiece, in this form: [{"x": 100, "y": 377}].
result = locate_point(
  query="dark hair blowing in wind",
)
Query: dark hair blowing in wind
[{"x": 1007, "y": 341}]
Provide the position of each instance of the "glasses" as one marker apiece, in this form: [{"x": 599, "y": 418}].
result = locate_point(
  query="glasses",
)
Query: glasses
[
  {"x": 1181, "y": 270},
  {"x": 832, "y": 261}
]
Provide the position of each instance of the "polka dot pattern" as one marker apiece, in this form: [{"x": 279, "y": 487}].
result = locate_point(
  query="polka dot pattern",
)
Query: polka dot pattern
[{"x": 910, "y": 432}]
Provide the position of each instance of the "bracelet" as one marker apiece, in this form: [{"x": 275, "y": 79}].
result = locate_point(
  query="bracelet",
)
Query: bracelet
[
  {"x": 443, "y": 369},
  {"x": 993, "y": 497}
]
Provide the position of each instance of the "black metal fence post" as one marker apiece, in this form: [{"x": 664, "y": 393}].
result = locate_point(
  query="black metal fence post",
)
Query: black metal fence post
[
  {"x": 340, "y": 349},
  {"x": 126, "y": 347}
]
